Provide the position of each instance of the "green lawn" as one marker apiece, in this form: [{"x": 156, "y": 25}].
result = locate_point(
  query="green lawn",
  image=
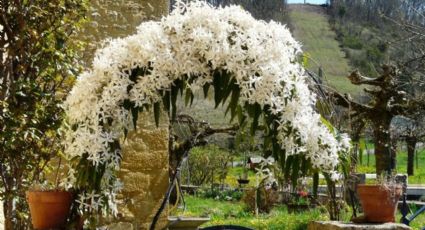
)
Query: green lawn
[
  {"x": 224, "y": 212},
  {"x": 312, "y": 29},
  {"x": 418, "y": 178}
]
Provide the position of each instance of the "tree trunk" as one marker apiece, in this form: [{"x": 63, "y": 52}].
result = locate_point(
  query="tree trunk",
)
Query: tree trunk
[
  {"x": 355, "y": 151},
  {"x": 411, "y": 147},
  {"x": 384, "y": 152},
  {"x": 8, "y": 213}
]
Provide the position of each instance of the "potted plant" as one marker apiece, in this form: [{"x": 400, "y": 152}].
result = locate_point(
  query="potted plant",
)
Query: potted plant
[
  {"x": 379, "y": 201},
  {"x": 49, "y": 207},
  {"x": 243, "y": 180}
]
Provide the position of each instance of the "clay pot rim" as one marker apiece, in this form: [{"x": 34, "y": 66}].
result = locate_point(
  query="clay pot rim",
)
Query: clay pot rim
[
  {"x": 380, "y": 185},
  {"x": 48, "y": 191}
]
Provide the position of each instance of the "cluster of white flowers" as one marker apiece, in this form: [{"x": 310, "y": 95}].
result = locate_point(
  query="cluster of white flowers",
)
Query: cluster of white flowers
[{"x": 194, "y": 40}]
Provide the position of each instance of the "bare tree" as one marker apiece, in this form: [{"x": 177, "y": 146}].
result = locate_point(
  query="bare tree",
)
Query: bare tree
[{"x": 387, "y": 101}]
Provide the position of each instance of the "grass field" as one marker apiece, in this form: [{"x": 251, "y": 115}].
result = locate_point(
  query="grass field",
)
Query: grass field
[
  {"x": 418, "y": 178},
  {"x": 225, "y": 212},
  {"x": 311, "y": 27}
]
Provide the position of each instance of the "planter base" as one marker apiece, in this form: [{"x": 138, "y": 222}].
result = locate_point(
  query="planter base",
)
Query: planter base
[
  {"x": 186, "y": 223},
  {"x": 49, "y": 209},
  {"x": 337, "y": 225}
]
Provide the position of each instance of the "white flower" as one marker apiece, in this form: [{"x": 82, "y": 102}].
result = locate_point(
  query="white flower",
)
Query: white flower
[
  {"x": 194, "y": 41},
  {"x": 335, "y": 176}
]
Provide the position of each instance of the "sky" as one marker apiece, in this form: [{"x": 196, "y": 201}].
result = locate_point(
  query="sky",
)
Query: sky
[{"x": 308, "y": 1}]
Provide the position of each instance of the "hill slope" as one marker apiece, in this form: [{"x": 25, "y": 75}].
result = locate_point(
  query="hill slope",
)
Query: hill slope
[{"x": 311, "y": 27}]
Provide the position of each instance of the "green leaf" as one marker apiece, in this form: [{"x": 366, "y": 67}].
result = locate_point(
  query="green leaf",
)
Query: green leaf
[
  {"x": 157, "y": 112},
  {"x": 135, "y": 115},
  {"x": 125, "y": 133},
  {"x": 305, "y": 166},
  {"x": 228, "y": 84},
  {"x": 217, "y": 84},
  {"x": 233, "y": 102},
  {"x": 306, "y": 56},
  {"x": 323, "y": 108},
  {"x": 315, "y": 184},
  {"x": 174, "y": 94},
  {"x": 295, "y": 170},
  {"x": 362, "y": 149},
  {"x": 205, "y": 88},
  {"x": 188, "y": 97},
  {"x": 241, "y": 116},
  {"x": 288, "y": 164},
  {"x": 166, "y": 101},
  {"x": 328, "y": 125},
  {"x": 254, "y": 111}
]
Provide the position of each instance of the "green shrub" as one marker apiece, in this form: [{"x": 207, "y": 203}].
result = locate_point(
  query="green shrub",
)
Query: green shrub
[
  {"x": 205, "y": 164},
  {"x": 374, "y": 54},
  {"x": 219, "y": 194},
  {"x": 266, "y": 199},
  {"x": 352, "y": 42}
]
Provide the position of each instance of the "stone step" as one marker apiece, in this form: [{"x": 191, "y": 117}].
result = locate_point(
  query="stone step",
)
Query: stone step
[{"x": 338, "y": 225}]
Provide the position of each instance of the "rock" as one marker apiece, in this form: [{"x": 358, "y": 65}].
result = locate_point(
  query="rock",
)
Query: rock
[{"x": 337, "y": 225}]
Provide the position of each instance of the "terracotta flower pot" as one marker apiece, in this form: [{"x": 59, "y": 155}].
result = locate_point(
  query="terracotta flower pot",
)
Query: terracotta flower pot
[
  {"x": 379, "y": 204},
  {"x": 49, "y": 209}
]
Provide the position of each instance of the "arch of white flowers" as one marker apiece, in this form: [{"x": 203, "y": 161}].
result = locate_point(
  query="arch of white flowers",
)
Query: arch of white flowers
[{"x": 251, "y": 61}]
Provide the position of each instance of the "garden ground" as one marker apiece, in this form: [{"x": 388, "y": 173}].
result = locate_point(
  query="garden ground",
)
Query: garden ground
[
  {"x": 227, "y": 212},
  {"x": 417, "y": 178}
]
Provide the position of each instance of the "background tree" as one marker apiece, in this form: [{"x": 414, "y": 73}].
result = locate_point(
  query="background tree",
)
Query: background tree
[
  {"x": 374, "y": 33},
  {"x": 411, "y": 131},
  {"x": 38, "y": 61},
  {"x": 387, "y": 101}
]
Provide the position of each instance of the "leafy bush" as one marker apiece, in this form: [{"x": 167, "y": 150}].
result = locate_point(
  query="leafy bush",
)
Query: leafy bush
[
  {"x": 266, "y": 199},
  {"x": 205, "y": 164},
  {"x": 39, "y": 50},
  {"x": 352, "y": 42},
  {"x": 222, "y": 195},
  {"x": 374, "y": 54}
]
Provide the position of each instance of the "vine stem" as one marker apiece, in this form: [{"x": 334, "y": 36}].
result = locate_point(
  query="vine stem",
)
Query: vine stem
[{"x": 169, "y": 190}]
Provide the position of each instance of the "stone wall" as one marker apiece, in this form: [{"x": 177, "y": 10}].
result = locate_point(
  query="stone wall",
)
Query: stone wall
[
  {"x": 117, "y": 18},
  {"x": 144, "y": 173},
  {"x": 145, "y": 152}
]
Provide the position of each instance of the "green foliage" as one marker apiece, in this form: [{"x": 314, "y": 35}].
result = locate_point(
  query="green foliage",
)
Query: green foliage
[
  {"x": 374, "y": 54},
  {"x": 368, "y": 165},
  {"x": 352, "y": 42},
  {"x": 39, "y": 51},
  {"x": 312, "y": 29},
  {"x": 205, "y": 164},
  {"x": 218, "y": 194},
  {"x": 235, "y": 213},
  {"x": 261, "y": 198}
]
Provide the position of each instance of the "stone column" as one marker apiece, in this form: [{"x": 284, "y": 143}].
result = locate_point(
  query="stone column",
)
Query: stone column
[
  {"x": 144, "y": 173},
  {"x": 145, "y": 152}
]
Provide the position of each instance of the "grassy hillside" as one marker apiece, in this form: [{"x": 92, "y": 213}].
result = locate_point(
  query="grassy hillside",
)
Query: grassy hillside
[{"x": 311, "y": 27}]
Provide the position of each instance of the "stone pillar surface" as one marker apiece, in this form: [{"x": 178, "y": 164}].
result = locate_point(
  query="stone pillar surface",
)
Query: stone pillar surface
[
  {"x": 144, "y": 172},
  {"x": 145, "y": 152}
]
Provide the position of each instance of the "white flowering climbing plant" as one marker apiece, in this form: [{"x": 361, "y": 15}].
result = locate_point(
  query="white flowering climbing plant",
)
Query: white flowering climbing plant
[{"x": 252, "y": 63}]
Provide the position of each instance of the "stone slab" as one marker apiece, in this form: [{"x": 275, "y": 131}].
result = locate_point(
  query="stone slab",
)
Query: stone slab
[
  {"x": 185, "y": 223},
  {"x": 338, "y": 225}
]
